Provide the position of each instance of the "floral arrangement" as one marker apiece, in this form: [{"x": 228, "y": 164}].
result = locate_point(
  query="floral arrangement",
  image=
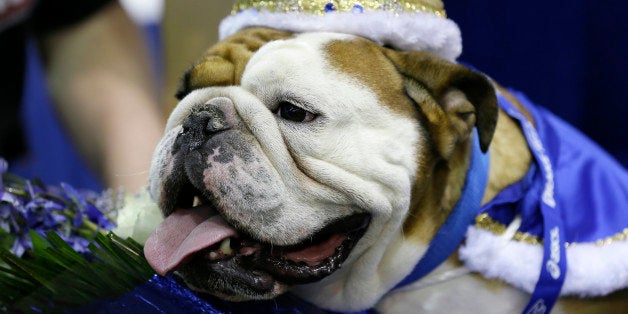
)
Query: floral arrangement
[
  {"x": 57, "y": 250},
  {"x": 65, "y": 250}
]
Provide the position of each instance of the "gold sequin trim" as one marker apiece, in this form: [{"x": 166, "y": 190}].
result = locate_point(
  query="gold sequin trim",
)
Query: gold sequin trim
[
  {"x": 484, "y": 221},
  {"x": 527, "y": 238},
  {"x": 325, "y": 6},
  {"x": 618, "y": 237}
]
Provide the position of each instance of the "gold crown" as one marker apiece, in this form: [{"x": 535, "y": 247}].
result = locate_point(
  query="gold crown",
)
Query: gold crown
[{"x": 326, "y": 6}]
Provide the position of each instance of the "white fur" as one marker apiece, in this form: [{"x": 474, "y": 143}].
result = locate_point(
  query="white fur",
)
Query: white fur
[
  {"x": 161, "y": 165},
  {"x": 405, "y": 31},
  {"x": 519, "y": 263}
]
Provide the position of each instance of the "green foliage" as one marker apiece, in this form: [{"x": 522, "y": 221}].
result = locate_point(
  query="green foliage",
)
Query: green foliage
[{"x": 55, "y": 277}]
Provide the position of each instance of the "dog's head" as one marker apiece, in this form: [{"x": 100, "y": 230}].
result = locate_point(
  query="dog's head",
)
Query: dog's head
[{"x": 309, "y": 159}]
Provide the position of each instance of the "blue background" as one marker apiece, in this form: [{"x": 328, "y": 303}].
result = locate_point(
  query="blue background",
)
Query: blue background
[{"x": 568, "y": 56}]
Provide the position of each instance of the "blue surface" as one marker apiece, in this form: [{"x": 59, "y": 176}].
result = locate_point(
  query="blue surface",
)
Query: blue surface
[{"x": 166, "y": 295}]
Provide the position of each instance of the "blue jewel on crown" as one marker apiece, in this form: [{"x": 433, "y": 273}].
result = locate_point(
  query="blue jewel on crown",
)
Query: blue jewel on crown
[
  {"x": 357, "y": 8},
  {"x": 330, "y": 7}
]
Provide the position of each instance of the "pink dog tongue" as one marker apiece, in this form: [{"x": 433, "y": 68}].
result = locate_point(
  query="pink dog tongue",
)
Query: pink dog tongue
[{"x": 183, "y": 233}]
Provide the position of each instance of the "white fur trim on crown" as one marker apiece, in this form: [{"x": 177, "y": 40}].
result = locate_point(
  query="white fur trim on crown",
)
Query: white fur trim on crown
[
  {"x": 592, "y": 270},
  {"x": 405, "y": 31}
]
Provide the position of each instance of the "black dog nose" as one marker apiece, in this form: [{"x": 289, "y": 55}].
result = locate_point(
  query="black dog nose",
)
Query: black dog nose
[{"x": 203, "y": 122}]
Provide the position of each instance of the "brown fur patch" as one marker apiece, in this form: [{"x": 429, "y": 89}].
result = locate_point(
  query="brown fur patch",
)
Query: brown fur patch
[
  {"x": 437, "y": 187},
  {"x": 223, "y": 64},
  {"x": 439, "y": 179},
  {"x": 515, "y": 103},
  {"x": 363, "y": 60},
  {"x": 510, "y": 156},
  {"x": 439, "y": 76},
  {"x": 510, "y": 159}
]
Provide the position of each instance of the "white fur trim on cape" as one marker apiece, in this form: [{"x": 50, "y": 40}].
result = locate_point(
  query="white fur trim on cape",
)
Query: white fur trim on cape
[
  {"x": 406, "y": 31},
  {"x": 592, "y": 270}
]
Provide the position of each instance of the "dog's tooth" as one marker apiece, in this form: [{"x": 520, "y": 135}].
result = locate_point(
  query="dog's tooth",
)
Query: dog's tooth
[
  {"x": 213, "y": 255},
  {"x": 225, "y": 246},
  {"x": 196, "y": 202}
]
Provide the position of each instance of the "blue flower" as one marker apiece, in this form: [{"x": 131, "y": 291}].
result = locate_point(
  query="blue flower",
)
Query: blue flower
[
  {"x": 27, "y": 206},
  {"x": 96, "y": 216},
  {"x": 21, "y": 245},
  {"x": 78, "y": 244}
]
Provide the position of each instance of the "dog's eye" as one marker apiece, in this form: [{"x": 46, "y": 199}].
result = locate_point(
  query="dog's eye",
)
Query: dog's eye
[{"x": 291, "y": 112}]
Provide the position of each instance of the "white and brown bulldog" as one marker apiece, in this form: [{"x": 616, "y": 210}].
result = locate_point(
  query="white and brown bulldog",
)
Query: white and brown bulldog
[{"x": 323, "y": 164}]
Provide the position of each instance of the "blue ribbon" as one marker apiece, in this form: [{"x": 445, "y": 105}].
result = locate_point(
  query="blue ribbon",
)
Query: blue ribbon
[
  {"x": 554, "y": 266},
  {"x": 453, "y": 231}
]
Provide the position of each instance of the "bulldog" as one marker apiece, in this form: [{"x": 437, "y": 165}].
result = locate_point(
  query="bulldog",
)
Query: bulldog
[{"x": 324, "y": 164}]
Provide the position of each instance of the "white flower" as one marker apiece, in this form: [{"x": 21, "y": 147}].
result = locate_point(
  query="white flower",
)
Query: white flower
[{"x": 139, "y": 216}]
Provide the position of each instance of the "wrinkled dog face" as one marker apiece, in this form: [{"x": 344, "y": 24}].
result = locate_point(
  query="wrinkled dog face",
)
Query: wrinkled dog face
[{"x": 283, "y": 178}]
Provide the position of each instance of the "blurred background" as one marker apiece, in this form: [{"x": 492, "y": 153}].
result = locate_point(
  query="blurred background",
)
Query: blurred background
[{"x": 569, "y": 56}]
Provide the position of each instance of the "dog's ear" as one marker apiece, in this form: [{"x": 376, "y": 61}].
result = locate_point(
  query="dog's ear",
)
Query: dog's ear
[
  {"x": 457, "y": 98},
  {"x": 223, "y": 64}
]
